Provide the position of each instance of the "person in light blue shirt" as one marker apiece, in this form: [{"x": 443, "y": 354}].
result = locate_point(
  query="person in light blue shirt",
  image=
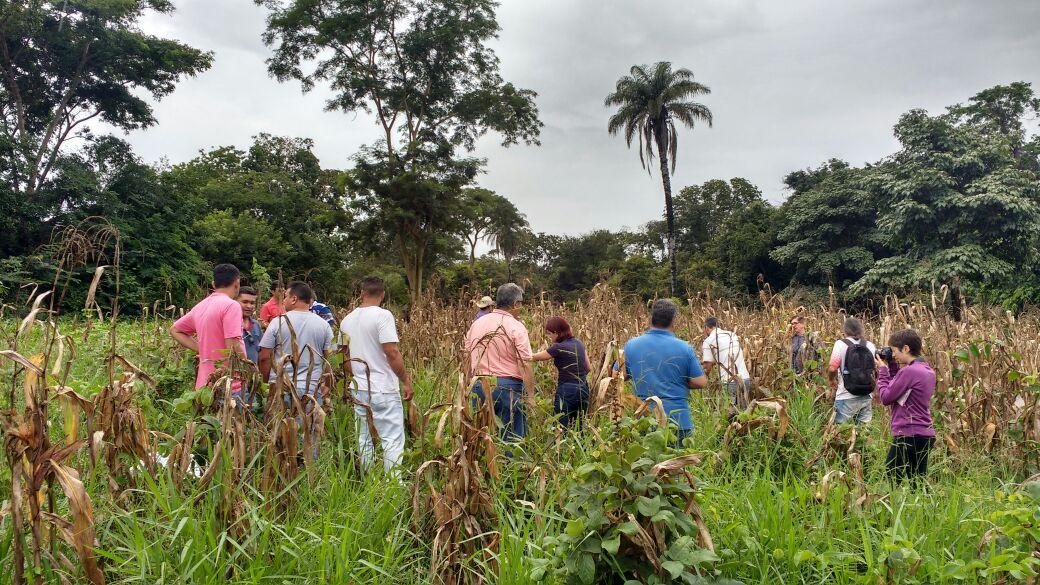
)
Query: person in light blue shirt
[{"x": 660, "y": 364}]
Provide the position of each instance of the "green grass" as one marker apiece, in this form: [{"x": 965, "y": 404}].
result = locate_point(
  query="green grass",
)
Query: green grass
[{"x": 341, "y": 528}]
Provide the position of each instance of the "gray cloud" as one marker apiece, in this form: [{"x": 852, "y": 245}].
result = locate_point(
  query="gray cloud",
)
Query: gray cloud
[{"x": 793, "y": 83}]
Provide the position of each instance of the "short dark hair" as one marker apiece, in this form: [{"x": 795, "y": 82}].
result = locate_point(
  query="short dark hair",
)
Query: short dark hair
[
  {"x": 711, "y": 322},
  {"x": 301, "y": 290},
  {"x": 907, "y": 337},
  {"x": 225, "y": 275},
  {"x": 247, "y": 290},
  {"x": 662, "y": 313},
  {"x": 853, "y": 327},
  {"x": 798, "y": 318},
  {"x": 373, "y": 286}
]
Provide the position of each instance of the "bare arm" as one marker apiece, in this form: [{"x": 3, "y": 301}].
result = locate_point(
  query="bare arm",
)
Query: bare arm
[
  {"x": 528, "y": 375},
  {"x": 396, "y": 360},
  {"x": 184, "y": 340},
  {"x": 698, "y": 382},
  {"x": 707, "y": 367},
  {"x": 234, "y": 346},
  {"x": 542, "y": 356},
  {"x": 265, "y": 363}
]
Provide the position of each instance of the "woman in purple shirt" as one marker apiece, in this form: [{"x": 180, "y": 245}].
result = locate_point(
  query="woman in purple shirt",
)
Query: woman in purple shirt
[{"x": 908, "y": 392}]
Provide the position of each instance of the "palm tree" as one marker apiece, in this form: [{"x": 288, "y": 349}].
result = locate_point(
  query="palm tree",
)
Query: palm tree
[{"x": 648, "y": 102}]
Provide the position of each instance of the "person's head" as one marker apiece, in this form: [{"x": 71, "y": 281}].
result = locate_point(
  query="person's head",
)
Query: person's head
[
  {"x": 226, "y": 278},
  {"x": 277, "y": 290},
  {"x": 662, "y": 314},
  {"x": 484, "y": 303},
  {"x": 853, "y": 328},
  {"x": 559, "y": 328},
  {"x": 798, "y": 325},
  {"x": 510, "y": 297},
  {"x": 710, "y": 323},
  {"x": 247, "y": 298},
  {"x": 906, "y": 346},
  {"x": 373, "y": 290},
  {"x": 298, "y": 297}
]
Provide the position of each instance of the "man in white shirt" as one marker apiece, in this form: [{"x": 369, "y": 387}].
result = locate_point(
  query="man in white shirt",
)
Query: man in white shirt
[
  {"x": 723, "y": 348},
  {"x": 372, "y": 336},
  {"x": 849, "y": 406}
]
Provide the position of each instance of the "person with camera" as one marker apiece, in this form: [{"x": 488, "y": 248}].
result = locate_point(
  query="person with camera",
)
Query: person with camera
[{"x": 906, "y": 384}]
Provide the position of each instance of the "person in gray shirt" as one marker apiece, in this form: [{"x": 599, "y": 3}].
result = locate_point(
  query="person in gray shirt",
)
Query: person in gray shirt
[{"x": 313, "y": 340}]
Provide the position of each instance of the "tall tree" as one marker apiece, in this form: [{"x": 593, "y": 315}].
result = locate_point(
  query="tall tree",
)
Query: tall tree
[
  {"x": 484, "y": 211},
  {"x": 272, "y": 202},
  {"x": 828, "y": 232},
  {"x": 648, "y": 102},
  {"x": 702, "y": 210},
  {"x": 958, "y": 208},
  {"x": 510, "y": 232},
  {"x": 419, "y": 209},
  {"x": 63, "y": 64},
  {"x": 423, "y": 67}
]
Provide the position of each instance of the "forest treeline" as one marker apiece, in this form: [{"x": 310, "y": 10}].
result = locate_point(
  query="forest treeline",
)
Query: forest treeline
[{"x": 956, "y": 206}]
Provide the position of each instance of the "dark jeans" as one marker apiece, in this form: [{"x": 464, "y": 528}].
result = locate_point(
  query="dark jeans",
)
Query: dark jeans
[
  {"x": 572, "y": 401},
  {"x": 681, "y": 436},
  {"x": 508, "y": 401},
  {"x": 908, "y": 456}
]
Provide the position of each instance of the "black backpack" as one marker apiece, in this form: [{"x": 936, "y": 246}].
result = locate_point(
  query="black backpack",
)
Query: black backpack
[{"x": 858, "y": 371}]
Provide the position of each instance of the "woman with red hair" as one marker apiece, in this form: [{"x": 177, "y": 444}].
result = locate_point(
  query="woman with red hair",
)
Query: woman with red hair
[{"x": 572, "y": 365}]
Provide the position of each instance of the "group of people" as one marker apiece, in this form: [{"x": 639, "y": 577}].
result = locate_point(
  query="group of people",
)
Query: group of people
[
  {"x": 660, "y": 364},
  {"x": 296, "y": 334}
]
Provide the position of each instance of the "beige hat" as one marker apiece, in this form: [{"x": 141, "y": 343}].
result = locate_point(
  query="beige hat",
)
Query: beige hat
[{"x": 484, "y": 302}]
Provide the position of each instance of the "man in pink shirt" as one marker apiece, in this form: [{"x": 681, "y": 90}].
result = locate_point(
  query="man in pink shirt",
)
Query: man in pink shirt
[
  {"x": 498, "y": 345},
  {"x": 213, "y": 328}
]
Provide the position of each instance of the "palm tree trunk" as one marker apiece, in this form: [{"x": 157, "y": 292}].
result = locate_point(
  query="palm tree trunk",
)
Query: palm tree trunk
[{"x": 669, "y": 211}]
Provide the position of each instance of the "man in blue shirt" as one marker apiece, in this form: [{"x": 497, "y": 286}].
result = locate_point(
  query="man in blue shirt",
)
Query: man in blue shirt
[{"x": 662, "y": 365}]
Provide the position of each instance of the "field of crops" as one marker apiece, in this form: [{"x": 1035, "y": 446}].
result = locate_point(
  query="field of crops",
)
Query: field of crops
[{"x": 774, "y": 495}]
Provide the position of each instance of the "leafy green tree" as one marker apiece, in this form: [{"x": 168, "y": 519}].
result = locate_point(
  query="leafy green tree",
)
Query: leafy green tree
[
  {"x": 272, "y": 203},
  {"x": 648, "y": 102},
  {"x": 741, "y": 248},
  {"x": 106, "y": 179},
  {"x": 485, "y": 214},
  {"x": 509, "y": 238},
  {"x": 420, "y": 210},
  {"x": 580, "y": 262},
  {"x": 64, "y": 64},
  {"x": 1002, "y": 109},
  {"x": 701, "y": 210},
  {"x": 828, "y": 225},
  {"x": 958, "y": 208},
  {"x": 422, "y": 66}
]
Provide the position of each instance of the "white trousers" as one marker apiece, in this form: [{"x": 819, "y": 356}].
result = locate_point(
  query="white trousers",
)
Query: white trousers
[{"x": 388, "y": 416}]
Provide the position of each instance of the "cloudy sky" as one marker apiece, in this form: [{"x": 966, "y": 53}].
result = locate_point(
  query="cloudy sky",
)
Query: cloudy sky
[{"x": 793, "y": 84}]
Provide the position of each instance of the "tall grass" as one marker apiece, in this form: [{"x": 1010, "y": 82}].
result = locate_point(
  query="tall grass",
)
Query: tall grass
[{"x": 761, "y": 503}]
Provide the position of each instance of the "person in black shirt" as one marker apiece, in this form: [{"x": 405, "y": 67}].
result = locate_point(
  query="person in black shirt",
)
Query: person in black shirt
[{"x": 572, "y": 365}]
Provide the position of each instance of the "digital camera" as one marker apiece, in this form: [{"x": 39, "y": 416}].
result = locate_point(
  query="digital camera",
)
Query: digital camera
[{"x": 885, "y": 353}]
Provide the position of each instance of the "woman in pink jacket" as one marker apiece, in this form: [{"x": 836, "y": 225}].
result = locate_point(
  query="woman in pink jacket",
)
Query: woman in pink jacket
[{"x": 906, "y": 384}]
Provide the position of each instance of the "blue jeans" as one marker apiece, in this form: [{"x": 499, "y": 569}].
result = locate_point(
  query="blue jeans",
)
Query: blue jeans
[
  {"x": 857, "y": 409},
  {"x": 572, "y": 401},
  {"x": 740, "y": 392},
  {"x": 508, "y": 401}
]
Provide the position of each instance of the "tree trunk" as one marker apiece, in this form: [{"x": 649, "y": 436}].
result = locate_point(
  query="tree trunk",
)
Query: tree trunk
[
  {"x": 956, "y": 300},
  {"x": 472, "y": 251},
  {"x": 669, "y": 212}
]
